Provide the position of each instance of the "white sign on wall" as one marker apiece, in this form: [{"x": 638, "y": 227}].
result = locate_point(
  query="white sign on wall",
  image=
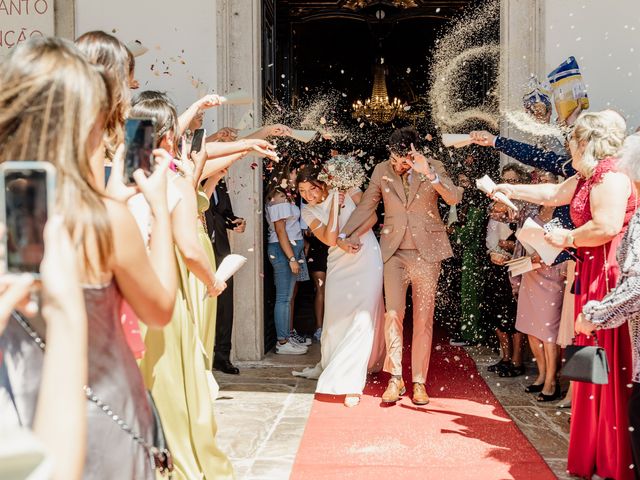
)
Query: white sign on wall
[{"x": 21, "y": 20}]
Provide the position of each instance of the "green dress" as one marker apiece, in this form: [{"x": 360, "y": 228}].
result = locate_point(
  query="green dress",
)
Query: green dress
[
  {"x": 472, "y": 236},
  {"x": 176, "y": 369}
]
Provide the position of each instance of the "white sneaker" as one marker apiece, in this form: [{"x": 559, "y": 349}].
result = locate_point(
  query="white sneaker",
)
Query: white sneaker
[{"x": 290, "y": 348}]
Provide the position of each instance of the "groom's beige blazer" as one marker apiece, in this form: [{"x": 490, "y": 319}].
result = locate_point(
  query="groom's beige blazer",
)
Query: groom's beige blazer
[
  {"x": 418, "y": 213},
  {"x": 415, "y": 215}
]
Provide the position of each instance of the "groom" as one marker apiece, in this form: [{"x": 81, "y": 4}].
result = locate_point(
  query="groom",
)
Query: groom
[{"x": 413, "y": 243}]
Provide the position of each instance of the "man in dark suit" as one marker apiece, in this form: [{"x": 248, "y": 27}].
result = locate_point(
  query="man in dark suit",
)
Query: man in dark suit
[{"x": 220, "y": 218}]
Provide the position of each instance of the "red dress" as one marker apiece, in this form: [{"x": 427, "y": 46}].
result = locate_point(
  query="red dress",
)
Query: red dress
[{"x": 599, "y": 438}]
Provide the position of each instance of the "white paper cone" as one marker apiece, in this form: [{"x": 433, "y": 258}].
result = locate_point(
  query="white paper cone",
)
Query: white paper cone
[
  {"x": 136, "y": 48},
  {"x": 303, "y": 135},
  {"x": 486, "y": 185},
  {"x": 456, "y": 140},
  {"x": 229, "y": 266},
  {"x": 236, "y": 98}
]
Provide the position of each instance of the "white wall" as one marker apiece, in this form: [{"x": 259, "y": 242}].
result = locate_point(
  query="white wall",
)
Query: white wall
[
  {"x": 603, "y": 36},
  {"x": 180, "y": 34}
]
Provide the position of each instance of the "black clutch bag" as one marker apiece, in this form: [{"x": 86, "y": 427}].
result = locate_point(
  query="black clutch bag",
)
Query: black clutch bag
[{"x": 585, "y": 364}]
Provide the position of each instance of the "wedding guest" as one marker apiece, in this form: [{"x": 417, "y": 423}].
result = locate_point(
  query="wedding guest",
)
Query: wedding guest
[
  {"x": 285, "y": 249},
  {"x": 221, "y": 220},
  {"x": 622, "y": 304},
  {"x": 46, "y": 72},
  {"x": 602, "y": 203},
  {"x": 60, "y": 421},
  {"x": 501, "y": 306},
  {"x": 177, "y": 363},
  {"x": 317, "y": 255},
  {"x": 103, "y": 49},
  {"x": 539, "y": 309}
]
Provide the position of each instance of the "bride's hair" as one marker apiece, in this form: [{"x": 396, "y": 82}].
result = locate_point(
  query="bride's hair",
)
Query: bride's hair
[{"x": 309, "y": 174}]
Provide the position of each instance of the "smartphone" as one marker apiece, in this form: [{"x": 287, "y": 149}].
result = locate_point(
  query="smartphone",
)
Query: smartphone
[
  {"x": 27, "y": 201},
  {"x": 140, "y": 140},
  {"x": 198, "y": 136}
]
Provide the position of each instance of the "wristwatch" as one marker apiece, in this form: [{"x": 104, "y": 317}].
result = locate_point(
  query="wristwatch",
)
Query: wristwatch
[{"x": 292, "y": 259}]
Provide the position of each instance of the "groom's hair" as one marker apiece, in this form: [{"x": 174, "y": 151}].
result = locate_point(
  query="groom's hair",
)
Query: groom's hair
[{"x": 401, "y": 140}]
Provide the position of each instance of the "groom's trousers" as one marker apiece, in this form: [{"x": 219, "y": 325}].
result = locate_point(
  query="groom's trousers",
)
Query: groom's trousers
[{"x": 403, "y": 268}]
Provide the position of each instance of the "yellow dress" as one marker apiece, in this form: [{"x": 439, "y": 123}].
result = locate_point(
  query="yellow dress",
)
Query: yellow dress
[
  {"x": 175, "y": 369},
  {"x": 204, "y": 311}
]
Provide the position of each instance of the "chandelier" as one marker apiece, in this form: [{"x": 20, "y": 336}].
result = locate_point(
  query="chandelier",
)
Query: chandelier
[
  {"x": 357, "y": 4},
  {"x": 377, "y": 108}
]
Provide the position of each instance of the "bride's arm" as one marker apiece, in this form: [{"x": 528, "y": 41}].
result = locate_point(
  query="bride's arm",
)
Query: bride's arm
[{"x": 327, "y": 234}]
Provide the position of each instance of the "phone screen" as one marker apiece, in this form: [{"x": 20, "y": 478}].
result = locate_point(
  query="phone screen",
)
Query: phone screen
[
  {"x": 196, "y": 143},
  {"x": 26, "y": 214},
  {"x": 140, "y": 142}
]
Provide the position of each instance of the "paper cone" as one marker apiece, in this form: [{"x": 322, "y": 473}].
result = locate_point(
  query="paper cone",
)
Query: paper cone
[
  {"x": 229, "y": 266},
  {"x": 136, "y": 48},
  {"x": 456, "y": 140},
  {"x": 237, "y": 98},
  {"x": 486, "y": 185},
  {"x": 303, "y": 135}
]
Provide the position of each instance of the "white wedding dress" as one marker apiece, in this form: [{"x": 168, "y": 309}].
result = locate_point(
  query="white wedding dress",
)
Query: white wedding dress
[{"x": 353, "y": 327}]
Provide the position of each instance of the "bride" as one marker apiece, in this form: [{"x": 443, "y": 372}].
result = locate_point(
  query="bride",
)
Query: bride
[{"x": 352, "y": 334}]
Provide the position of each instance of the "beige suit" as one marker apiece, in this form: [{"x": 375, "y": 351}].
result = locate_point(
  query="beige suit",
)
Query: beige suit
[{"x": 413, "y": 242}]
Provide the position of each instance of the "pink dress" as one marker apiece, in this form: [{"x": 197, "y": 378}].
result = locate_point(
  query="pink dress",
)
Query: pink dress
[{"x": 599, "y": 437}]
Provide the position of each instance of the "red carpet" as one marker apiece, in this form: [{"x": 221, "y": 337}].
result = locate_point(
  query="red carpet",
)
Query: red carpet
[{"x": 464, "y": 433}]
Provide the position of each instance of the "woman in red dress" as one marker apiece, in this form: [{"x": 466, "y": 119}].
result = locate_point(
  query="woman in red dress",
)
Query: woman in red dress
[{"x": 602, "y": 203}]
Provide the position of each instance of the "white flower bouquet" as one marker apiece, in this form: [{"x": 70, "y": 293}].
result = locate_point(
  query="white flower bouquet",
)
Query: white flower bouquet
[{"x": 343, "y": 173}]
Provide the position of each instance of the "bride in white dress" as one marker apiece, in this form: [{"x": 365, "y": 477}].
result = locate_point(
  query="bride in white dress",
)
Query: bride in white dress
[{"x": 352, "y": 332}]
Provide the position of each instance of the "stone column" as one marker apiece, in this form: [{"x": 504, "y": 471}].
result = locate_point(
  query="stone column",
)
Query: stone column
[
  {"x": 521, "y": 53},
  {"x": 65, "y": 18},
  {"x": 239, "y": 67}
]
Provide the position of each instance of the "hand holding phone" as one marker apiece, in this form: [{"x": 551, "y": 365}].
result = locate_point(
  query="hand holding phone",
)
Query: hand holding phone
[
  {"x": 28, "y": 197},
  {"x": 140, "y": 140}
]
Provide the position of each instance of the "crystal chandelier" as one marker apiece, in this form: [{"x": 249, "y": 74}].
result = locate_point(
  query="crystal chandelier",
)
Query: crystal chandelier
[
  {"x": 357, "y": 4},
  {"x": 377, "y": 108}
]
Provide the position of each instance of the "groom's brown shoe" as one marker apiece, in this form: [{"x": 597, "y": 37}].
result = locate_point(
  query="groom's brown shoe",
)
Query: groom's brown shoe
[
  {"x": 393, "y": 391},
  {"x": 420, "y": 396}
]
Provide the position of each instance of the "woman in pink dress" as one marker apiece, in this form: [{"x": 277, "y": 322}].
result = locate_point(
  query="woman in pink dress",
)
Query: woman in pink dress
[{"x": 602, "y": 203}]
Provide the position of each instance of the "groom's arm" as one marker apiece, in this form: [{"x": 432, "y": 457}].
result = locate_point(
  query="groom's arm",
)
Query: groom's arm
[
  {"x": 367, "y": 206},
  {"x": 448, "y": 190}
]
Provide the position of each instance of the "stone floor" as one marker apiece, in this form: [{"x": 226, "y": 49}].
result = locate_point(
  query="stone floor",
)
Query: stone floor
[{"x": 262, "y": 413}]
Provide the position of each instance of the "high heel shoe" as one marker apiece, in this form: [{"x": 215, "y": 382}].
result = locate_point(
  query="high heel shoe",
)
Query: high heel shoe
[
  {"x": 550, "y": 398},
  {"x": 496, "y": 366},
  {"x": 534, "y": 388},
  {"x": 511, "y": 370}
]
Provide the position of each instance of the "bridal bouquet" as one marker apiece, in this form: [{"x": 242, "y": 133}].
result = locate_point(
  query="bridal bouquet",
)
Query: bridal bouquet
[{"x": 343, "y": 173}]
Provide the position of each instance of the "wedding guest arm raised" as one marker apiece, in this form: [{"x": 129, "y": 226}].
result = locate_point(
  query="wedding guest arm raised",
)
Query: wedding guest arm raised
[
  {"x": 528, "y": 154},
  {"x": 197, "y": 108}
]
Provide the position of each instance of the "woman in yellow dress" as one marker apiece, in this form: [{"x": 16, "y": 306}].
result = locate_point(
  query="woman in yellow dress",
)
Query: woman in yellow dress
[{"x": 176, "y": 366}]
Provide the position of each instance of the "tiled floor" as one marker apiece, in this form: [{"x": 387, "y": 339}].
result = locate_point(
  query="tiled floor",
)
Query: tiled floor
[{"x": 262, "y": 412}]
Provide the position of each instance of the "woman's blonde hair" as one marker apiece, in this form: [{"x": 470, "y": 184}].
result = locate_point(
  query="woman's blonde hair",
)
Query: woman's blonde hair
[
  {"x": 51, "y": 99},
  {"x": 100, "y": 48},
  {"x": 604, "y": 133}
]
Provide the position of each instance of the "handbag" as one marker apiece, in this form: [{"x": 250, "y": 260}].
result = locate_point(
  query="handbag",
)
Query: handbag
[
  {"x": 159, "y": 454},
  {"x": 584, "y": 363}
]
